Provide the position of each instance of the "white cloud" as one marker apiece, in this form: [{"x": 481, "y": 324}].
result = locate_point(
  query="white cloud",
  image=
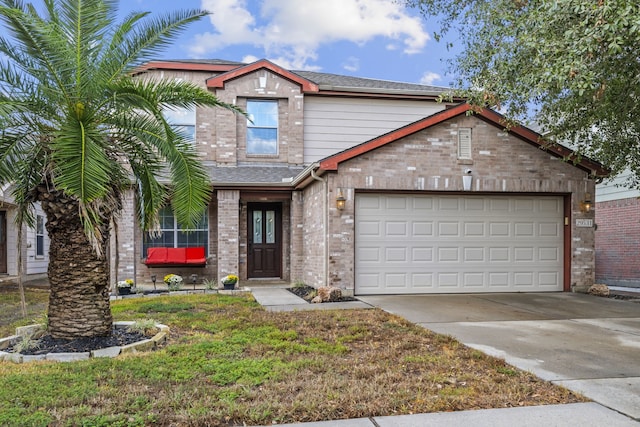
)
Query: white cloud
[
  {"x": 352, "y": 64},
  {"x": 429, "y": 78},
  {"x": 291, "y": 31}
]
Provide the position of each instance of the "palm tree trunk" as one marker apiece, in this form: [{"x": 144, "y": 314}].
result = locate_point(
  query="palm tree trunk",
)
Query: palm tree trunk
[{"x": 79, "y": 279}]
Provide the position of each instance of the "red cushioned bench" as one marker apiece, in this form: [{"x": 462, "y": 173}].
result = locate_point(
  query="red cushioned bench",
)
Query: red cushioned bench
[{"x": 176, "y": 257}]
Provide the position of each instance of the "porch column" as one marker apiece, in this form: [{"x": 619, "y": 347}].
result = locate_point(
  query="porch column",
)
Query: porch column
[
  {"x": 124, "y": 257},
  {"x": 297, "y": 238},
  {"x": 228, "y": 232}
]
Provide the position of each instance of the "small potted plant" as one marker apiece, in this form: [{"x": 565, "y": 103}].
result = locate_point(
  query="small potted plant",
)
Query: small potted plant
[
  {"x": 229, "y": 282},
  {"x": 124, "y": 286},
  {"x": 173, "y": 281}
]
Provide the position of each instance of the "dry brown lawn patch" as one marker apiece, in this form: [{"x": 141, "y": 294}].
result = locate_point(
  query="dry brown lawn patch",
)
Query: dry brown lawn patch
[{"x": 228, "y": 361}]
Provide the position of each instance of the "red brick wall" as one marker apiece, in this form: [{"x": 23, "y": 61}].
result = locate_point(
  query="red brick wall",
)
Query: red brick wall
[{"x": 618, "y": 242}]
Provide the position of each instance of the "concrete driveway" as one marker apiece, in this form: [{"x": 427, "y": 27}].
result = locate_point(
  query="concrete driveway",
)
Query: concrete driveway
[{"x": 586, "y": 343}]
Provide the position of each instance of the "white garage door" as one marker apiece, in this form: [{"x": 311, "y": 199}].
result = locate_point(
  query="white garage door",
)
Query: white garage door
[{"x": 407, "y": 244}]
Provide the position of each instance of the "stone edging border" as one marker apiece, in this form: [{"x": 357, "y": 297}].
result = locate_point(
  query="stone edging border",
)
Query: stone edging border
[{"x": 31, "y": 330}]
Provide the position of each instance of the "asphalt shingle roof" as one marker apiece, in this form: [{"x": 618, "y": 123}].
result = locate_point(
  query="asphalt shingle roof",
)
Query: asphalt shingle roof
[
  {"x": 252, "y": 174},
  {"x": 338, "y": 81}
]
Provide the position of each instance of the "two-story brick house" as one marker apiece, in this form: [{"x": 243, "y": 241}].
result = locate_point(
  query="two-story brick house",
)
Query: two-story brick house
[{"x": 372, "y": 186}]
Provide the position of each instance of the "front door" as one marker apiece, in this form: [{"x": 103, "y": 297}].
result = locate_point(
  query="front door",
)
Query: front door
[
  {"x": 265, "y": 240},
  {"x": 3, "y": 241}
]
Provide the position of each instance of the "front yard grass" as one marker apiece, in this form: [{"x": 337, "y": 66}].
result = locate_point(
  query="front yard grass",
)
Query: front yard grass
[{"x": 230, "y": 362}]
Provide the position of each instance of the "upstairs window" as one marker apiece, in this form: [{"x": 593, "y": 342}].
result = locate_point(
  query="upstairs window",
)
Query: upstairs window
[
  {"x": 174, "y": 236},
  {"x": 183, "y": 121},
  {"x": 262, "y": 130},
  {"x": 464, "y": 143}
]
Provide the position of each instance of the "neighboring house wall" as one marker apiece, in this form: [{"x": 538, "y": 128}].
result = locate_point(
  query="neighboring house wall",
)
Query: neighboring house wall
[
  {"x": 33, "y": 266},
  {"x": 333, "y": 124},
  {"x": 618, "y": 233},
  {"x": 427, "y": 161},
  {"x": 35, "y": 263}
]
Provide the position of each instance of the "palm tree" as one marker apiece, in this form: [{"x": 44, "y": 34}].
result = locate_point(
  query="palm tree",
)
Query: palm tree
[{"x": 78, "y": 129}]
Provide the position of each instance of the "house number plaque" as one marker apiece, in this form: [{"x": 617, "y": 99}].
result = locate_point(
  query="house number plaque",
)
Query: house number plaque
[{"x": 584, "y": 222}]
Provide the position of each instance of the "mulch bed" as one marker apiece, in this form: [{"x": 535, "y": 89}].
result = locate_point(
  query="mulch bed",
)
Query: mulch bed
[
  {"x": 48, "y": 344},
  {"x": 307, "y": 293}
]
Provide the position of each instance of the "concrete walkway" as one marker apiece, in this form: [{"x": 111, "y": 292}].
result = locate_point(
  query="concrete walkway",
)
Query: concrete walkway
[{"x": 585, "y": 343}]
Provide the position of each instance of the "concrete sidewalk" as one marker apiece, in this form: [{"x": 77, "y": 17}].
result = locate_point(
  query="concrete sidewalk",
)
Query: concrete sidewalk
[
  {"x": 443, "y": 314},
  {"x": 575, "y": 414}
]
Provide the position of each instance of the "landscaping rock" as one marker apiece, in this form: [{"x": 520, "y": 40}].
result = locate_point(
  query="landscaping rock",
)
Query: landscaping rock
[
  {"x": 106, "y": 352},
  {"x": 33, "y": 331},
  {"x": 8, "y": 341},
  {"x": 329, "y": 294},
  {"x": 599, "y": 290},
  {"x": 68, "y": 357}
]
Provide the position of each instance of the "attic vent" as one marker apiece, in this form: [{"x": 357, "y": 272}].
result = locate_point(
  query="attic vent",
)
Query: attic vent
[{"x": 464, "y": 143}]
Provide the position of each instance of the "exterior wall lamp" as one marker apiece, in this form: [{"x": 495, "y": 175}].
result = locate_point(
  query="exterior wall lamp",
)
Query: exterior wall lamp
[
  {"x": 340, "y": 200},
  {"x": 467, "y": 179},
  {"x": 586, "y": 205}
]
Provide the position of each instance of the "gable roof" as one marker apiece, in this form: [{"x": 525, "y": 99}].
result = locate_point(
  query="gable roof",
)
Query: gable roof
[
  {"x": 527, "y": 135},
  {"x": 219, "y": 81}
]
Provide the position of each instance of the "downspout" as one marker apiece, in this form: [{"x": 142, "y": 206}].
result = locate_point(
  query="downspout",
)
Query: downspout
[{"x": 325, "y": 216}]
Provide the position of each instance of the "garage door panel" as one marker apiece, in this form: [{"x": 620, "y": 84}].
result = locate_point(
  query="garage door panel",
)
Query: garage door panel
[
  {"x": 473, "y": 280},
  {"x": 421, "y": 254},
  {"x": 498, "y": 281},
  {"x": 526, "y": 205},
  {"x": 474, "y": 254},
  {"x": 499, "y": 229},
  {"x": 523, "y": 254},
  {"x": 422, "y": 228},
  {"x": 438, "y": 244},
  {"x": 447, "y": 280},
  {"x": 421, "y": 281},
  {"x": 549, "y": 229},
  {"x": 498, "y": 254},
  {"x": 369, "y": 255},
  {"x": 370, "y": 228},
  {"x": 524, "y": 229},
  {"x": 474, "y": 229},
  {"x": 396, "y": 228},
  {"x": 551, "y": 254},
  {"x": 450, "y": 229},
  {"x": 448, "y": 204},
  {"x": 396, "y": 254},
  {"x": 473, "y": 204},
  {"x": 549, "y": 279},
  {"x": 450, "y": 254},
  {"x": 523, "y": 279},
  {"x": 396, "y": 280}
]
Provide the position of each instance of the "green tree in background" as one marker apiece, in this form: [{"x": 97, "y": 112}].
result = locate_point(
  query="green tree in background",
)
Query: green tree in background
[
  {"x": 78, "y": 129},
  {"x": 571, "y": 65}
]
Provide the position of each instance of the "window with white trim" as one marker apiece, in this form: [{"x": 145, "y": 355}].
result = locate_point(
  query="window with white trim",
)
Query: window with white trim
[
  {"x": 262, "y": 128},
  {"x": 174, "y": 236},
  {"x": 39, "y": 236},
  {"x": 464, "y": 143},
  {"x": 182, "y": 120}
]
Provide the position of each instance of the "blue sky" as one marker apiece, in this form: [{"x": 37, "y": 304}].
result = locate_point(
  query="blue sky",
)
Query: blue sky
[{"x": 379, "y": 39}]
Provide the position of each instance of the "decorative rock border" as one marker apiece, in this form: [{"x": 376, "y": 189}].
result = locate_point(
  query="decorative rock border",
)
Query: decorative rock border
[{"x": 38, "y": 330}]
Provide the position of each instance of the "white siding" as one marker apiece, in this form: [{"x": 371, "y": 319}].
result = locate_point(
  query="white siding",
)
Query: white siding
[
  {"x": 615, "y": 189},
  {"x": 332, "y": 125},
  {"x": 35, "y": 264}
]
